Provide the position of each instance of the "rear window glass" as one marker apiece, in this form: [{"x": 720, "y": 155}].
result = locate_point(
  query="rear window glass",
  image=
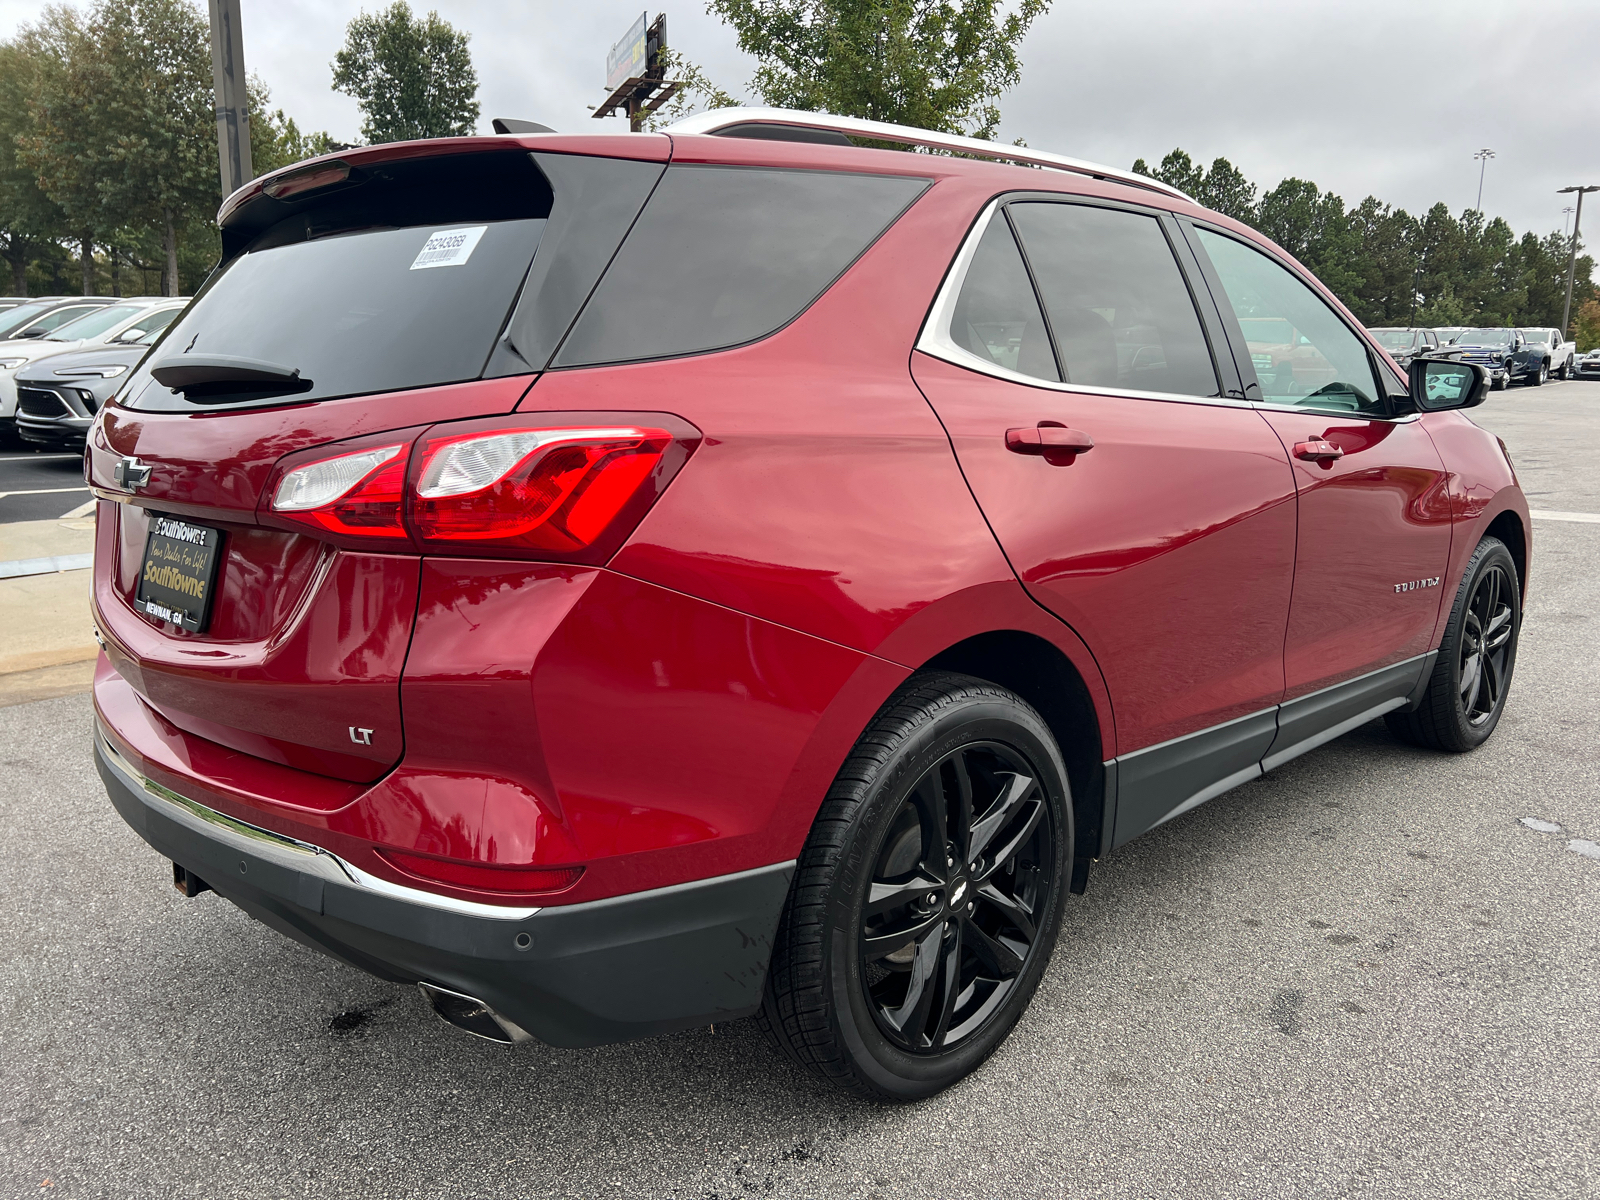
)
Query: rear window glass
[
  {"x": 379, "y": 310},
  {"x": 401, "y": 280},
  {"x": 725, "y": 255}
]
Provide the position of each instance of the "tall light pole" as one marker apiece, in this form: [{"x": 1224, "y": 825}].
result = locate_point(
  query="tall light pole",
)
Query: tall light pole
[
  {"x": 233, "y": 107},
  {"x": 1483, "y": 156},
  {"x": 1572, "y": 249}
]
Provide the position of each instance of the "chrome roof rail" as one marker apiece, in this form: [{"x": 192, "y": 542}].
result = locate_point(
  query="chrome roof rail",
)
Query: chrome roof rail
[{"x": 717, "y": 119}]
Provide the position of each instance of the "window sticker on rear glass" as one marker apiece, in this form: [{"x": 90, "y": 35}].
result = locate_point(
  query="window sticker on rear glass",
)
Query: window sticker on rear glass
[{"x": 449, "y": 248}]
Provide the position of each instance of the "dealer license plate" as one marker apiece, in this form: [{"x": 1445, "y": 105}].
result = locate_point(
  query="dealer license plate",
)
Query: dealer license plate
[{"x": 179, "y": 572}]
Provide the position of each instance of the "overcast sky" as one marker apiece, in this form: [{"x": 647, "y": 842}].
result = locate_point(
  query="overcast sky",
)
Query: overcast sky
[{"x": 1382, "y": 97}]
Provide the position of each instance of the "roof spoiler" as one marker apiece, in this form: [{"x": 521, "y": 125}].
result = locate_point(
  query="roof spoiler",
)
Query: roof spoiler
[
  {"x": 790, "y": 125},
  {"x": 513, "y": 125}
]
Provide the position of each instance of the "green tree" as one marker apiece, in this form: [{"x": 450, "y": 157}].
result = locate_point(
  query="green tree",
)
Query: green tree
[
  {"x": 412, "y": 77},
  {"x": 1227, "y": 191},
  {"x": 1586, "y": 326},
  {"x": 29, "y": 220},
  {"x": 934, "y": 64},
  {"x": 158, "y": 118},
  {"x": 62, "y": 143},
  {"x": 275, "y": 139}
]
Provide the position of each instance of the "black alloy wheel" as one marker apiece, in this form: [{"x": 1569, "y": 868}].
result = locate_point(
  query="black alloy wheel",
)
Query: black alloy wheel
[
  {"x": 1466, "y": 693},
  {"x": 928, "y": 896},
  {"x": 952, "y": 909},
  {"x": 1484, "y": 655}
]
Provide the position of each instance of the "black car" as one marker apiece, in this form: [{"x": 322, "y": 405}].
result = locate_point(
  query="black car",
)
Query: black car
[
  {"x": 1502, "y": 351},
  {"x": 1404, "y": 344},
  {"x": 57, "y": 397}
]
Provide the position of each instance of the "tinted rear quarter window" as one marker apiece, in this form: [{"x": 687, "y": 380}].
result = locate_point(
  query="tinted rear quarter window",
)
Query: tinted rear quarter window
[
  {"x": 997, "y": 315},
  {"x": 721, "y": 256}
]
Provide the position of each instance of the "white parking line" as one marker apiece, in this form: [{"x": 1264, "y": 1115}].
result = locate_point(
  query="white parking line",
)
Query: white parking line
[
  {"x": 1546, "y": 514},
  {"x": 35, "y": 457},
  {"x": 42, "y": 492}
]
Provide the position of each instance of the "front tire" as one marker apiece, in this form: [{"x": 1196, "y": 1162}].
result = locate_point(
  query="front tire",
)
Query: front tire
[
  {"x": 1541, "y": 376},
  {"x": 928, "y": 896},
  {"x": 1467, "y": 691}
]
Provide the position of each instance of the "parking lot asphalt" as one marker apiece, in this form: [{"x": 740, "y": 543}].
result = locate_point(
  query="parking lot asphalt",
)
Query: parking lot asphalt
[
  {"x": 39, "y": 485},
  {"x": 1365, "y": 975}
]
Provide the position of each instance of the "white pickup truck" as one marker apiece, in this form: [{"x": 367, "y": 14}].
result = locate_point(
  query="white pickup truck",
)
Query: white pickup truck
[{"x": 1547, "y": 355}]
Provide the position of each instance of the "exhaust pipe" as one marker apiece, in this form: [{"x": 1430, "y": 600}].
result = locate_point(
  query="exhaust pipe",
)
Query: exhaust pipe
[{"x": 473, "y": 1015}]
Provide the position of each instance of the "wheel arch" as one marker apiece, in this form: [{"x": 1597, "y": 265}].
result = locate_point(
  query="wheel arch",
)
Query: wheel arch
[
  {"x": 1509, "y": 529},
  {"x": 1039, "y": 672}
]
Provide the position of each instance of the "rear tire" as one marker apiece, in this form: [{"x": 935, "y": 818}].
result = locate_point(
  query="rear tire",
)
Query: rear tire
[
  {"x": 928, "y": 896},
  {"x": 1566, "y": 371},
  {"x": 1467, "y": 691}
]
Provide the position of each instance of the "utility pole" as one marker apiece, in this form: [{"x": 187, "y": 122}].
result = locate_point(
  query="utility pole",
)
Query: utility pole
[
  {"x": 233, "y": 106},
  {"x": 1572, "y": 250},
  {"x": 1483, "y": 156}
]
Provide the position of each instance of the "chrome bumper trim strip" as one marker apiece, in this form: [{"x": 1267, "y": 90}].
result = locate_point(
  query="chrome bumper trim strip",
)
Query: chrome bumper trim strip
[{"x": 291, "y": 852}]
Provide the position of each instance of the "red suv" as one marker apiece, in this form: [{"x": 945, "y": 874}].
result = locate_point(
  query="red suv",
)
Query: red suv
[{"x": 621, "y": 583}]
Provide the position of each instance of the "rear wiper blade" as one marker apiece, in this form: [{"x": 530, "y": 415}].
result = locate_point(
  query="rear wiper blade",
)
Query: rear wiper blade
[{"x": 203, "y": 377}]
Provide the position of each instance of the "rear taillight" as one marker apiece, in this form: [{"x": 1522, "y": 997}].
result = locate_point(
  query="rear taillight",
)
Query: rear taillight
[
  {"x": 354, "y": 495},
  {"x": 552, "y": 486},
  {"x": 538, "y": 489}
]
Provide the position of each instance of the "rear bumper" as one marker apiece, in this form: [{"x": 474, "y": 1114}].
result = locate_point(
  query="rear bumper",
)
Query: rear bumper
[{"x": 611, "y": 970}]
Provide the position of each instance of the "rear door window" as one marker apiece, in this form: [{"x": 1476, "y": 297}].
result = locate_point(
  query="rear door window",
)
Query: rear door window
[
  {"x": 721, "y": 256},
  {"x": 1118, "y": 306}
]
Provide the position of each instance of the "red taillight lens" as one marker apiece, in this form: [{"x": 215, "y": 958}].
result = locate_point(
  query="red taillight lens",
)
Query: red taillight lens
[
  {"x": 482, "y": 877},
  {"x": 357, "y": 494},
  {"x": 535, "y": 489},
  {"x": 566, "y": 487}
]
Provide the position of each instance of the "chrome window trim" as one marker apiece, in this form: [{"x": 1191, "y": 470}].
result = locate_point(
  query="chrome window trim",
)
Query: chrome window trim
[
  {"x": 290, "y": 852},
  {"x": 935, "y": 339}
]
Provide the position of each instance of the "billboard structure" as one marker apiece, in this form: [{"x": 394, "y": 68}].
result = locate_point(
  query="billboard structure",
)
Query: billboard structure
[{"x": 636, "y": 72}]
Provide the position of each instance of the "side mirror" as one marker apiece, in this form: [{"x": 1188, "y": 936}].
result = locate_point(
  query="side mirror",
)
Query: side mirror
[{"x": 1442, "y": 383}]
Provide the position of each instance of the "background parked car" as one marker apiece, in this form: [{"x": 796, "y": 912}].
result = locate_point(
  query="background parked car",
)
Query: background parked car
[
  {"x": 7, "y": 303},
  {"x": 122, "y": 321},
  {"x": 1449, "y": 333},
  {"x": 1403, "y": 344},
  {"x": 1588, "y": 367},
  {"x": 43, "y": 315},
  {"x": 1549, "y": 354},
  {"x": 1500, "y": 350},
  {"x": 58, "y": 396}
]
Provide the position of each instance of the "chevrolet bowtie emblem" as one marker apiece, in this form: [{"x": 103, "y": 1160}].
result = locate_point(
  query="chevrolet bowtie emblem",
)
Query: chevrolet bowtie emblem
[{"x": 130, "y": 474}]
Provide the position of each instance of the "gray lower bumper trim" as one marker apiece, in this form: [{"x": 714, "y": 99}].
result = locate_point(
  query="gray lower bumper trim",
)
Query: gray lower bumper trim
[{"x": 572, "y": 975}]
